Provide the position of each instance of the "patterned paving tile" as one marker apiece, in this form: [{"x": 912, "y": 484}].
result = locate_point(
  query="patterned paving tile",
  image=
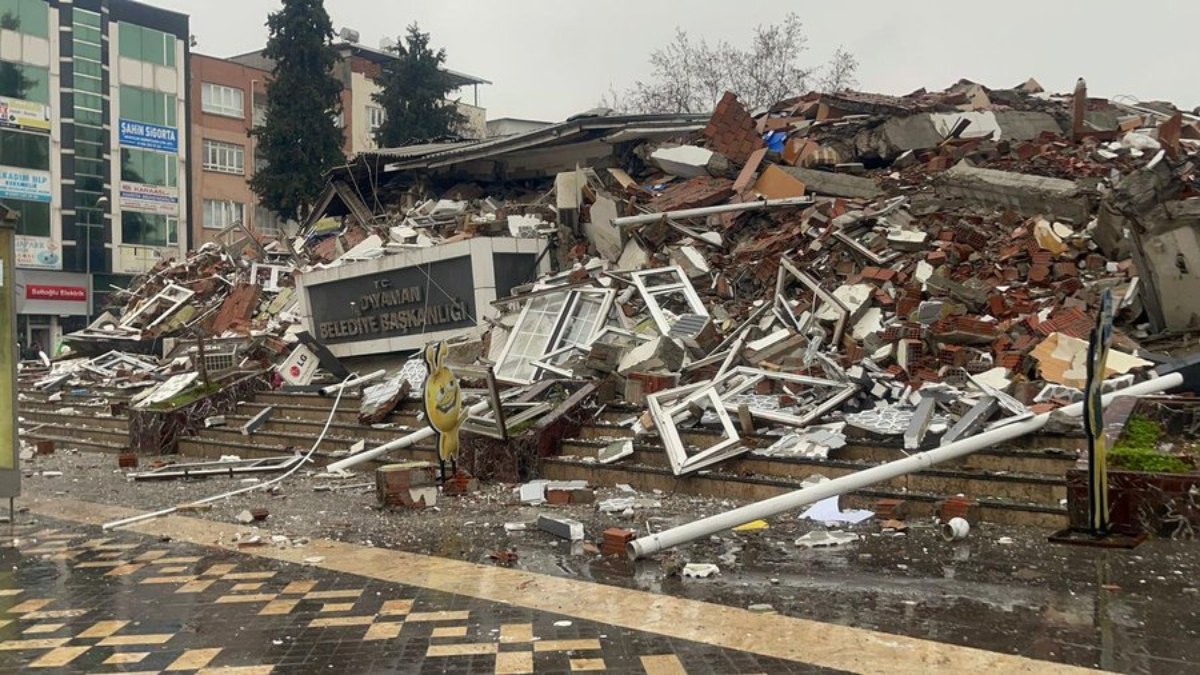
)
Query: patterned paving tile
[{"x": 261, "y": 616}]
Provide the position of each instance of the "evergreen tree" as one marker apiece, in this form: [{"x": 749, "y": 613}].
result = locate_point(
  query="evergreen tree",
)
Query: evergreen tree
[
  {"x": 413, "y": 96},
  {"x": 299, "y": 139}
]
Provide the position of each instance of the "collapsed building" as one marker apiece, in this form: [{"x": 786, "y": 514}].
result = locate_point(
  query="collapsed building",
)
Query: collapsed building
[{"x": 837, "y": 270}]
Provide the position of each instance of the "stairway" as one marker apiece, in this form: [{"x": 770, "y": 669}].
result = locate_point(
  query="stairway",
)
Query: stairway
[
  {"x": 1021, "y": 483},
  {"x": 80, "y": 419}
]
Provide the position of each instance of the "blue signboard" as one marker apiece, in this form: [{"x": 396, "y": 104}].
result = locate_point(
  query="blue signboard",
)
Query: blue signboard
[{"x": 149, "y": 136}]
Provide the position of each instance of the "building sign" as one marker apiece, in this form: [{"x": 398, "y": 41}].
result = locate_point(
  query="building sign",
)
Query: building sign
[
  {"x": 54, "y": 293},
  {"x": 64, "y": 293},
  {"x": 408, "y": 301},
  {"x": 149, "y": 136},
  {"x": 24, "y": 114},
  {"x": 149, "y": 198},
  {"x": 38, "y": 253},
  {"x": 26, "y": 184}
]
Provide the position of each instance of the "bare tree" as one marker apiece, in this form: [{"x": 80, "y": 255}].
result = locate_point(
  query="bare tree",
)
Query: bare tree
[
  {"x": 839, "y": 73},
  {"x": 690, "y": 75}
]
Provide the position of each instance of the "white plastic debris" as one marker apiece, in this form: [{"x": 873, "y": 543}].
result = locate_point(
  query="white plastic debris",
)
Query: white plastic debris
[
  {"x": 700, "y": 570},
  {"x": 826, "y": 539}
]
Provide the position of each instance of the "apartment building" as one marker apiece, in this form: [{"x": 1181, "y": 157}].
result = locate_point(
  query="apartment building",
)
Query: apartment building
[
  {"x": 228, "y": 99},
  {"x": 357, "y": 68},
  {"x": 93, "y": 95}
]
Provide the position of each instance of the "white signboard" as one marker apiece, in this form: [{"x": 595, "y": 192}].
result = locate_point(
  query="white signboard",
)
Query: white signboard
[
  {"x": 26, "y": 184},
  {"x": 149, "y": 198},
  {"x": 300, "y": 367},
  {"x": 38, "y": 253}
]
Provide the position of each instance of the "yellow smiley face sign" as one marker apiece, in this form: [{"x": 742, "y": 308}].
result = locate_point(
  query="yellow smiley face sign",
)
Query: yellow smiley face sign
[{"x": 443, "y": 401}]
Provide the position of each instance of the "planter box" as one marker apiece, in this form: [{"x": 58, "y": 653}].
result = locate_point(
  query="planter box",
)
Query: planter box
[{"x": 1151, "y": 503}]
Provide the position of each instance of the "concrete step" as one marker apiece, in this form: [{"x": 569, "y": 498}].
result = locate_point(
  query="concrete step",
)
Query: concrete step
[
  {"x": 83, "y": 419},
  {"x": 81, "y": 393},
  {"x": 344, "y": 414},
  {"x": 1033, "y": 488},
  {"x": 755, "y": 488},
  {"x": 1049, "y": 462},
  {"x": 80, "y": 406},
  {"x": 92, "y": 440},
  {"x": 316, "y": 400},
  {"x": 204, "y": 448},
  {"x": 312, "y": 428}
]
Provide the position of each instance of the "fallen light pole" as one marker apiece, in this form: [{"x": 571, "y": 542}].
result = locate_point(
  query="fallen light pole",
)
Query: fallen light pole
[
  {"x": 404, "y": 442},
  {"x": 646, "y": 218},
  {"x": 651, "y": 544}
]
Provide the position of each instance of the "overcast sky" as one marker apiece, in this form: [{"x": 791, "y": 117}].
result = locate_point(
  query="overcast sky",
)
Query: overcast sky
[{"x": 551, "y": 59}]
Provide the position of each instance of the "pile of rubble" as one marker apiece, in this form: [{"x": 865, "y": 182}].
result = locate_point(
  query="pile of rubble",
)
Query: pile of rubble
[{"x": 923, "y": 267}]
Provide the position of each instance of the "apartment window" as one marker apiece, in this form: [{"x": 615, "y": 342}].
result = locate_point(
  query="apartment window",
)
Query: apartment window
[
  {"x": 375, "y": 117},
  {"x": 266, "y": 222},
  {"x": 147, "y": 44},
  {"x": 148, "y": 229},
  {"x": 31, "y": 17},
  {"x": 222, "y": 100},
  {"x": 143, "y": 105},
  {"x": 26, "y": 151},
  {"x": 28, "y": 83},
  {"x": 221, "y": 213},
  {"x": 224, "y": 157},
  {"x": 151, "y": 168},
  {"x": 34, "y": 217}
]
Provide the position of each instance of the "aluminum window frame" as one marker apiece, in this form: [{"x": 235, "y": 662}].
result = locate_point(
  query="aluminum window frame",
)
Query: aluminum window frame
[
  {"x": 651, "y": 293},
  {"x": 222, "y": 100},
  {"x": 222, "y": 157},
  {"x": 556, "y": 340}
]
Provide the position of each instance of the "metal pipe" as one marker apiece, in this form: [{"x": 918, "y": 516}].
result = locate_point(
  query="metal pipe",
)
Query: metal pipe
[
  {"x": 645, "y": 218},
  {"x": 353, "y": 382},
  {"x": 651, "y": 544},
  {"x": 403, "y": 442}
]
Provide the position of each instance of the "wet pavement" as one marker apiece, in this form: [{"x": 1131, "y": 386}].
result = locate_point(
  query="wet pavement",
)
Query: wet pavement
[
  {"x": 77, "y": 599},
  {"x": 1004, "y": 589}
]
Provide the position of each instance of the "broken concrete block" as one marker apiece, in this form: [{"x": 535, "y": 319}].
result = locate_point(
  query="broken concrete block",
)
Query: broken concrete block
[
  {"x": 214, "y": 421},
  {"x": 662, "y": 353},
  {"x": 633, "y": 256},
  {"x": 533, "y": 492},
  {"x": 1023, "y": 193},
  {"x": 615, "y": 451},
  {"x": 835, "y": 184},
  {"x": 605, "y": 357},
  {"x": 906, "y": 240},
  {"x": 605, "y": 236},
  {"x": 258, "y": 420},
  {"x": 411, "y": 484},
  {"x": 565, "y": 528},
  {"x": 690, "y": 161},
  {"x": 854, "y": 297},
  {"x": 890, "y": 139}
]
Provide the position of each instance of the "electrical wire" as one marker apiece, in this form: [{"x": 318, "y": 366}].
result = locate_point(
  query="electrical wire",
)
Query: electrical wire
[{"x": 257, "y": 486}]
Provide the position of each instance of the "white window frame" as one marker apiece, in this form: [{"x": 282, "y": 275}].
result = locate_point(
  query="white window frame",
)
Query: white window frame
[
  {"x": 678, "y": 286},
  {"x": 221, "y": 157},
  {"x": 230, "y": 211},
  {"x": 375, "y": 118},
  {"x": 522, "y": 351},
  {"x": 220, "y": 99}
]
